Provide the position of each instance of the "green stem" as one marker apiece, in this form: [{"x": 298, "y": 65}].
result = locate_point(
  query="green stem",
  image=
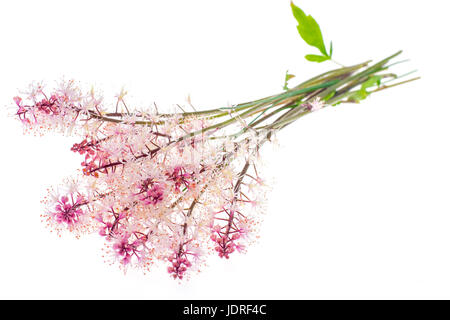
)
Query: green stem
[{"x": 331, "y": 87}]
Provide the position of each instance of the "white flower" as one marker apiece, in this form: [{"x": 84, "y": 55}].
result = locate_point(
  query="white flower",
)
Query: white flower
[{"x": 317, "y": 104}]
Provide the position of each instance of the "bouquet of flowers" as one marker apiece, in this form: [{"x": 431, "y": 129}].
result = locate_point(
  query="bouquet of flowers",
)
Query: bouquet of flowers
[{"x": 174, "y": 187}]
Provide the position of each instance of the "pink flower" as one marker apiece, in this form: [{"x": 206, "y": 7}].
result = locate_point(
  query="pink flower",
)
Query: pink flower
[
  {"x": 85, "y": 146},
  {"x": 22, "y": 110},
  {"x": 179, "y": 263},
  {"x": 180, "y": 177},
  {"x": 315, "y": 105},
  {"x": 226, "y": 236},
  {"x": 153, "y": 195},
  {"x": 152, "y": 188},
  {"x": 67, "y": 211},
  {"x": 112, "y": 223},
  {"x": 125, "y": 248}
]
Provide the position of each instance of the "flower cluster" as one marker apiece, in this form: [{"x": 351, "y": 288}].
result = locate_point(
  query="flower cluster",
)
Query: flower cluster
[
  {"x": 155, "y": 187},
  {"x": 175, "y": 187}
]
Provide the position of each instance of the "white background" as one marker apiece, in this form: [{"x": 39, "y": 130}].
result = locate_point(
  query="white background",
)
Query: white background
[{"x": 360, "y": 207}]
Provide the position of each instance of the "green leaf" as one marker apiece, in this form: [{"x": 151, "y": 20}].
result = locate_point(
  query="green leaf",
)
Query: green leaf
[
  {"x": 329, "y": 96},
  {"x": 372, "y": 81},
  {"x": 289, "y": 77},
  {"x": 357, "y": 96},
  {"x": 286, "y": 79},
  {"x": 362, "y": 93},
  {"x": 309, "y": 29},
  {"x": 331, "y": 48},
  {"x": 316, "y": 58}
]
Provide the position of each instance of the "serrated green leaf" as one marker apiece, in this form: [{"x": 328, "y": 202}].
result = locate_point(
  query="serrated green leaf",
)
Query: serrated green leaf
[
  {"x": 316, "y": 58},
  {"x": 309, "y": 29}
]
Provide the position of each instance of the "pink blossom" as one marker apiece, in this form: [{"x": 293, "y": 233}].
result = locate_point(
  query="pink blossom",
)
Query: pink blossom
[
  {"x": 315, "y": 105},
  {"x": 125, "y": 248},
  {"x": 179, "y": 263},
  {"x": 68, "y": 211},
  {"x": 180, "y": 177},
  {"x": 154, "y": 195}
]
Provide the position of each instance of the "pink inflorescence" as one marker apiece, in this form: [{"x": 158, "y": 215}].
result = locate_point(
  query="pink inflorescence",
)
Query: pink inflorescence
[
  {"x": 153, "y": 195},
  {"x": 179, "y": 263},
  {"x": 227, "y": 235},
  {"x": 26, "y": 113},
  {"x": 68, "y": 211},
  {"x": 155, "y": 187},
  {"x": 126, "y": 248}
]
